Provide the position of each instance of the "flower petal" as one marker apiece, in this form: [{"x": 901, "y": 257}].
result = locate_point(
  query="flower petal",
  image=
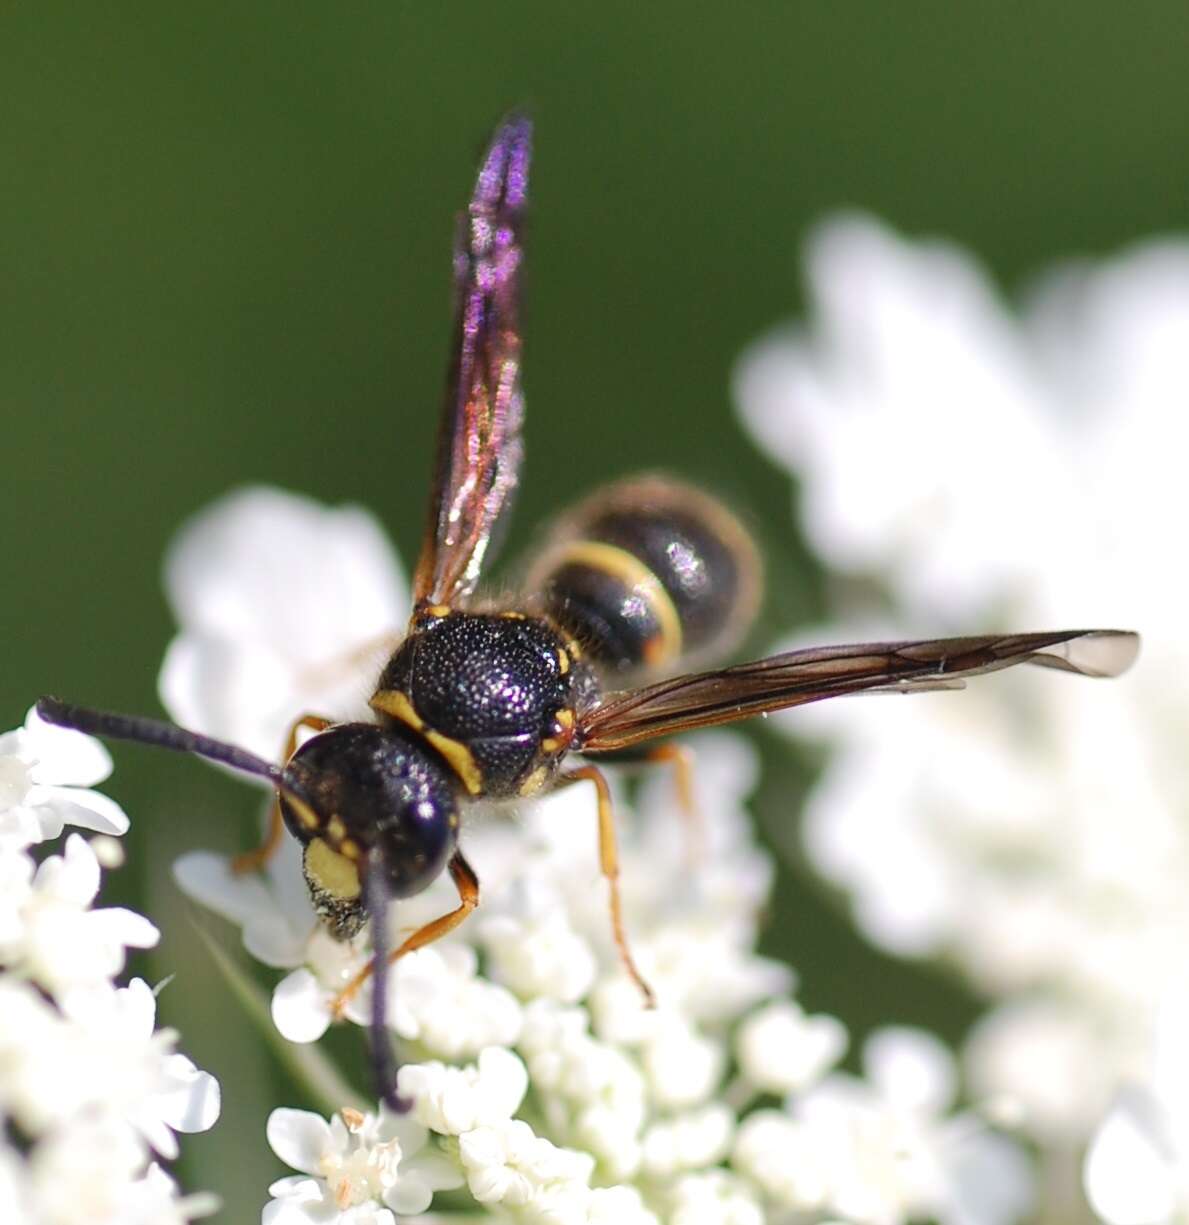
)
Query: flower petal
[
  {"x": 59, "y": 806},
  {"x": 1129, "y": 1175},
  {"x": 300, "y": 1007},
  {"x": 64, "y": 756},
  {"x": 298, "y": 1137}
]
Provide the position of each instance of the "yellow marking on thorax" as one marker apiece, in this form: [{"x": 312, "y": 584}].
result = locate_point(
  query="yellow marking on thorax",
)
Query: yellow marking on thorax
[
  {"x": 563, "y": 722},
  {"x": 535, "y": 781},
  {"x": 438, "y": 610},
  {"x": 563, "y": 662},
  {"x": 636, "y": 576},
  {"x": 332, "y": 872},
  {"x": 460, "y": 758},
  {"x": 393, "y": 702}
]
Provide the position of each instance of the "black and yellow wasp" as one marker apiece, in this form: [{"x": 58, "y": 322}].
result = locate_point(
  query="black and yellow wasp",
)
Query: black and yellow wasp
[{"x": 482, "y": 701}]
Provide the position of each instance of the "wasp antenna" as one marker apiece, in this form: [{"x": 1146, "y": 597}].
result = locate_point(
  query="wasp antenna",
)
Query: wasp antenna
[
  {"x": 376, "y": 897},
  {"x": 164, "y": 736},
  {"x": 502, "y": 182}
]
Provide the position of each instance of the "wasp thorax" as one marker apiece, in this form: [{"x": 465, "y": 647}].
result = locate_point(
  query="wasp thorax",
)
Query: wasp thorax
[
  {"x": 493, "y": 693},
  {"x": 369, "y": 787}
]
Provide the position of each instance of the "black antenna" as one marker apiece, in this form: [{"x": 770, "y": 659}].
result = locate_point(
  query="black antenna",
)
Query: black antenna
[
  {"x": 166, "y": 736},
  {"x": 375, "y": 901}
]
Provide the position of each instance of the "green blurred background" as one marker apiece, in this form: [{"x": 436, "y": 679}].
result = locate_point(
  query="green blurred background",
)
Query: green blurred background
[{"x": 225, "y": 233}]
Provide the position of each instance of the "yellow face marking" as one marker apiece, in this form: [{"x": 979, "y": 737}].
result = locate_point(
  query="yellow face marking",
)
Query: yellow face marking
[
  {"x": 462, "y": 760},
  {"x": 573, "y": 650},
  {"x": 305, "y": 814},
  {"x": 565, "y": 717},
  {"x": 638, "y": 578},
  {"x": 331, "y": 872},
  {"x": 350, "y": 848},
  {"x": 336, "y": 829},
  {"x": 550, "y": 744},
  {"x": 534, "y": 781}
]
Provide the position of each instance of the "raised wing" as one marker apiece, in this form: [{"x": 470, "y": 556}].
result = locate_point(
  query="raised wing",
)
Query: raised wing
[
  {"x": 798, "y": 677},
  {"x": 479, "y": 443}
]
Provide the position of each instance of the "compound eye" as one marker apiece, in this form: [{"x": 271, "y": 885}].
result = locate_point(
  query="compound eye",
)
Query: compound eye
[{"x": 417, "y": 845}]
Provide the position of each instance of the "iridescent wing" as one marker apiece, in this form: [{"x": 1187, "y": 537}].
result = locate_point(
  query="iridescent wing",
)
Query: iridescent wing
[
  {"x": 479, "y": 443},
  {"x": 797, "y": 677}
]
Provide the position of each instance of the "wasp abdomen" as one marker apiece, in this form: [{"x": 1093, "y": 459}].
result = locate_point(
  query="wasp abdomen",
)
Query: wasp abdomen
[{"x": 649, "y": 572}]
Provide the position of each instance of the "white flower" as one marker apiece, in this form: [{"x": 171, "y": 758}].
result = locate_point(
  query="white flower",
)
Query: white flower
[
  {"x": 886, "y": 1149},
  {"x": 355, "y": 1163},
  {"x": 100, "y": 1053},
  {"x": 88, "y": 1088},
  {"x": 692, "y": 1141},
  {"x": 436, "y": 995},
  {"x": 786, "y": 1158},
  {"x": 1017, "y": 474},
  {"x": 782, "y": 1050},
  {"x": 452, "y": 1100},
  {"x": 46, "y": 776},
  {"x": 274, "y": 910},
  {"x": 532, "y": 1054},
  {"x": 48, "y": 931},
  {"x": 285, "y": 608},
  {"x": 1137, "y": 1167},
  {"x": 540, "y": 956},
  {"x": 507, "y": 1164},
  {"x": 89, "y": 1173},
  {"x": 714, "y": 1198}
]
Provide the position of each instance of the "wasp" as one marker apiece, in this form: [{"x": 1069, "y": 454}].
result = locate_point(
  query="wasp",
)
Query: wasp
[{"x": 488, "y": 701}]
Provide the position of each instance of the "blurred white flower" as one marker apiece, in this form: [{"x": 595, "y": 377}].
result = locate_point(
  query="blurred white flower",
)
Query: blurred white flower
[
  {"x": 46, "y": 776},
  {"x": 782, "y": 1050},
  {"x": 1137, "y": 1169},
  {"x": 250, "y": 658},
  {"x": 542, "y": 1077},
  {"x": 48, "y": 931},
  {"x": 994, "y": 472},
  {"x": 89, "y": 1089}
]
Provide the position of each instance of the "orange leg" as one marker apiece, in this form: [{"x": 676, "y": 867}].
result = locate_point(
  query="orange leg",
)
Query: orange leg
[
  {"x": 251, "y": 861},
  {"x": 682, "y": 760},
  {"x": 609, "y": 863},
  {"x": 467, "y": 884}
]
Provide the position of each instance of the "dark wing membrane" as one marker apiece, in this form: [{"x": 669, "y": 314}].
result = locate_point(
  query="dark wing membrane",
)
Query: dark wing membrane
[
  {"x": 798, "y": 677},
  {"x": 479, "y": 444}
]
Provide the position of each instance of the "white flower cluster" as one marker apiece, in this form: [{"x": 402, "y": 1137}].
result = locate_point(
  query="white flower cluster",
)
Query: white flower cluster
[
  {"x": 90, "y": 1092},
  {"x": 1026, "y": 474},
  {"x": 543, "y": 1089}
]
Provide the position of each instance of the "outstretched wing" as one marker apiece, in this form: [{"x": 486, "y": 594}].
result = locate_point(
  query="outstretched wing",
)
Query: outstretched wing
[
  {"x": 797, "y": 677},
  {"x": 479, "y": 443}
]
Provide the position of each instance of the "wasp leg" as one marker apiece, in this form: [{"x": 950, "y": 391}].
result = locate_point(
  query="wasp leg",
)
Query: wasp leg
[
  {"x": 250, "y": 861},
  {"x": 609, "y": 863},
  {"x": 467, "y": 884},
  {"x": 682, "y": 761}
]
